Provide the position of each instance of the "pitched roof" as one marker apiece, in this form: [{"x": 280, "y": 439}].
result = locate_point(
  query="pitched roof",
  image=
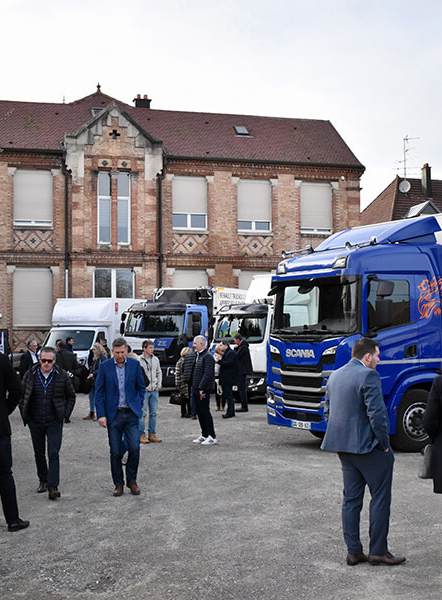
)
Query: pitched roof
[
  {"x": 35, "y": 125},
  {"x": 392, "y": 204}
]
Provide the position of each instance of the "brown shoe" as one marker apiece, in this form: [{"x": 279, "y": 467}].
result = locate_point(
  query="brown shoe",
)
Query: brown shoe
[
  {"x": 134, "y": 489},
  {"x": 385, "y": 559},
  {"x": 53, "y": 493},
  {"x": 354, "y": 559},
  {"x": 154, "y": 438},
  {"x": 90, "y": 417},
  {"x": 118, "y": 491},
  {"x": 143, "y": 439}
]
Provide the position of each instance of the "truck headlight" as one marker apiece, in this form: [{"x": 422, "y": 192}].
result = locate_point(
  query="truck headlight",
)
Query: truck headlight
[
  {"x": 330, "y": 351},
  {"x": 274, "y": 349}
]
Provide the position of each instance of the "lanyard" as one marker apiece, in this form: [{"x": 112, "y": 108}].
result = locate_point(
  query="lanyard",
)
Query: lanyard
[{"x": 47, "y": 381}]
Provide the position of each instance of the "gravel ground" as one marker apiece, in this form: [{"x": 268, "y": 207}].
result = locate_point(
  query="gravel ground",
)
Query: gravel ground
[{"x": 257, "y": 516}]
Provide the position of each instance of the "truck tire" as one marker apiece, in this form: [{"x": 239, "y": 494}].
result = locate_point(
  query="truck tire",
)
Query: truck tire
[
  {"x": 410, "y": 435},
  {"x": 317, "y": 434}
]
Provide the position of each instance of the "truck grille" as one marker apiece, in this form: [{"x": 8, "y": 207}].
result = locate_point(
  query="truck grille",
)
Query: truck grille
[{"x": 302, "y": 386}]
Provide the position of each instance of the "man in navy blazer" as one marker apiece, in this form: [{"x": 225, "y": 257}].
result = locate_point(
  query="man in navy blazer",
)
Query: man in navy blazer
[
  {"x": 358, "y": 430},
  {"x": 119, "y": 396}
]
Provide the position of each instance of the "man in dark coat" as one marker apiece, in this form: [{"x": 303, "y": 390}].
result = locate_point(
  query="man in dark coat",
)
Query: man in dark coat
[
  {"x": 9, "y": 382},
  {"x": 357, "y": 429},
  {"x": 245, "y": 369},
  {"x": 28, "y": 358},
  {"x": 202, "y": 382},
  {"x": 432, "y": 422},
  {"x": 48, "y": 399},
  {"x": 228, "y": 376}
]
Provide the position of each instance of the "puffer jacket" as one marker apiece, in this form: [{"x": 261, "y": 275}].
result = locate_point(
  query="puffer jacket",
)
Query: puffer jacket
[{"x": 64, "y": 394}]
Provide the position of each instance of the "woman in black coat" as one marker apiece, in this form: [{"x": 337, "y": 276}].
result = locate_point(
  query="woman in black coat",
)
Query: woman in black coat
[{"x": 433, "y": 426}]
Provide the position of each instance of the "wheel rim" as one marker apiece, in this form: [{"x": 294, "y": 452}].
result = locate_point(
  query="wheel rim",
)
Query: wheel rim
[{"x": 412, "y": 422}]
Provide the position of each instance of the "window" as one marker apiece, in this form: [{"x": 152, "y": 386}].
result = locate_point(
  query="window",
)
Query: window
[
  {"x": 189, "y": 203},
  {"x": 33, "y": 198},
  {"x": 104, "y": 208},
  {"x": 184, "y": 278},
  {"x": 123, "y": 208},
  {"x": 388, "y": 303},
  {"x": 316, "y": 208},
  {"x": 242, "y": 131},
  {"x": 114, "y": 283},
  {"x": 32, "y": 297},
  {"x": 254, "y": 205}
]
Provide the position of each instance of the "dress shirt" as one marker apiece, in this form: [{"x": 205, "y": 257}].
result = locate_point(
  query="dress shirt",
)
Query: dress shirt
[{"x": 121, "y": 372}]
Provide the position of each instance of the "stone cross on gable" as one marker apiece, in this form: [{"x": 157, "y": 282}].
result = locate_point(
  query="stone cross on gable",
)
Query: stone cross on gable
[{"x": 114, "y": 134}]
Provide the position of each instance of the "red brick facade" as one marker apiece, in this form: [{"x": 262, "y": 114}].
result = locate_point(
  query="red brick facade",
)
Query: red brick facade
[{"x": 222, "y": 251}]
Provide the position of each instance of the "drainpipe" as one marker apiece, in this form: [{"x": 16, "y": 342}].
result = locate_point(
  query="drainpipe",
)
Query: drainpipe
[
  {"x": 160, "y": 177},
  {"x": 66, "y": 172}
]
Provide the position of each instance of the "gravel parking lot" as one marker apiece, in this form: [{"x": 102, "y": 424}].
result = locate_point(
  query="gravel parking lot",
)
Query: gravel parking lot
[{"x": 257, "y": 516}]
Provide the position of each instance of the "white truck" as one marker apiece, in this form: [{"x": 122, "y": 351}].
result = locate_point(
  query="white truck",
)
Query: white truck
[
  {"x": 87, "y": 320},
  {"x": 252, "y": 320}
]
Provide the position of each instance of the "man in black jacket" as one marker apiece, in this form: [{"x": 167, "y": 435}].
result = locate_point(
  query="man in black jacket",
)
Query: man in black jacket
[
  {"x": 228, "y": 376},
  {"x": 202, "y": 381},
  {"x": 48, "y": 399},
  {"x": 9, "y": 382},
  {"x": 245, "y": 369}
]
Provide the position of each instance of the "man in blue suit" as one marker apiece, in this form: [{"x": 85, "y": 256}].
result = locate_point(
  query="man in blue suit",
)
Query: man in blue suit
[
  {"x": 358, "y": 430},
  {"x": 119, "y": 395}
]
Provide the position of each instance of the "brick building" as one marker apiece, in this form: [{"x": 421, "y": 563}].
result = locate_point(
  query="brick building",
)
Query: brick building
[{"x": 101, "y": 198}]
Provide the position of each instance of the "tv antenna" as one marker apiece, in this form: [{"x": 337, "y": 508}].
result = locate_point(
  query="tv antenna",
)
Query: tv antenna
[{"x": 405, "y": 185}]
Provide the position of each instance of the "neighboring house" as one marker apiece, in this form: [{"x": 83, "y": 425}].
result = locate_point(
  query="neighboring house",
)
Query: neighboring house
[
  {"x": 102, "y": 198},
  {"x": 405, "y": 198}
]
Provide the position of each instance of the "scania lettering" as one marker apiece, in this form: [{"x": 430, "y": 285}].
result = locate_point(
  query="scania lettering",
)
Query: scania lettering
[{"x": 382, "y": 281}]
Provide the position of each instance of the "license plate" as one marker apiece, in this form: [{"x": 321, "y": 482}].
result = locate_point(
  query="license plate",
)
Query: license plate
[{"x": 302, "y": 424}]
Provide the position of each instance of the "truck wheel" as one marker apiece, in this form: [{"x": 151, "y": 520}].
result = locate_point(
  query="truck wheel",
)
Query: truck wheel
[
  {"x": 410, "y": 434},
  {"x": 318, "y": 434}
]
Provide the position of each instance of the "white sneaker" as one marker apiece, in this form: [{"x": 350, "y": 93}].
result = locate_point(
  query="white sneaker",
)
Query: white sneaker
[
  {"x": 209, "y": 441},
  {"x": 200, "y": 440}
]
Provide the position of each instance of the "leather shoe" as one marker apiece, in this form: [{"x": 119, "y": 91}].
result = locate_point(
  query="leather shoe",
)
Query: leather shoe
[
  {"x": 20, "y": 524},
  {"x": 154, "y": 438},
  {"x": 118, "y": 491},
  {"x": 385, "y": 559},
  {"x": 227, "y": 416},
  {"x": 53, "y": 493},
  {"x": 242, "y": 410},
  {"x": 42, "y": 487},
  {"x": 354, "y": 559},
  {"x": 143, "y": 439},
  {"x": 134, "y": 489}
]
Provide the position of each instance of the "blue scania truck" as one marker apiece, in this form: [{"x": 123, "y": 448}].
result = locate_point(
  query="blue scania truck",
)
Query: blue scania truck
[{"x": 383, "y": 281}]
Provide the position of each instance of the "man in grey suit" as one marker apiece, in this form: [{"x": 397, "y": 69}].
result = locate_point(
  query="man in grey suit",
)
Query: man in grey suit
[{"x": 358, "y": 430}]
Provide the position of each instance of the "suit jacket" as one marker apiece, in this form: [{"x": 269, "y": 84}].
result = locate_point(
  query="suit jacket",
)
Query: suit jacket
[
  {"x": 244, "y": 360},
  {"x": 106, "y": 388},
  {"x": 433, "y": 426},
  {"x": 228, "y": 368},
  {"x": 355, "y": 411},
  {"x": 26, "y": 363},
  {"x": 9, "y": 382}
]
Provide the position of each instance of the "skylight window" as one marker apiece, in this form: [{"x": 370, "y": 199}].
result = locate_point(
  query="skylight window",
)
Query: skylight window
[
  {"x": 241, "y": 130},
  {"x": 95, "y": 111}
]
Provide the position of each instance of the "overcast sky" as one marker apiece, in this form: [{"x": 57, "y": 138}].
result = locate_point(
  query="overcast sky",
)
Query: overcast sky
[{"x": 370, "y": 67}]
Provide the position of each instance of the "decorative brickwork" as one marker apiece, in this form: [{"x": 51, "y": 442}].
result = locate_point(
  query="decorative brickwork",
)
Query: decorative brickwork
[
  {"x": 36, "y": 240},
  {"x": 188, "y": 243},
  {"x": 255, "y": 245}
]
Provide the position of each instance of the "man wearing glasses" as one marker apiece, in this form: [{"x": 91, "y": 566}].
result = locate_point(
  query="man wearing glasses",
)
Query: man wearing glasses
[{"x": 48, "y": 400}]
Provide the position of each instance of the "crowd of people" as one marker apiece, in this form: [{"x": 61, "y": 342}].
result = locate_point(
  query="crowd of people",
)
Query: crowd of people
[{"x": 123, "y": 390}]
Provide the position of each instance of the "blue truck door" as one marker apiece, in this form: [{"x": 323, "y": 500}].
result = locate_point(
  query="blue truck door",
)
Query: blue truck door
[{"x": 391, "y": 317}]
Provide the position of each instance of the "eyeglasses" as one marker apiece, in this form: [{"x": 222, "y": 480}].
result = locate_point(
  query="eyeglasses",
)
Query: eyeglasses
[{"x": 47, "y": 360}]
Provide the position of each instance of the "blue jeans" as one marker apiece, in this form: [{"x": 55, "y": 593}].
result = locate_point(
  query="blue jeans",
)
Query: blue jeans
[
  {"x": 7, "y": 485},
  {"x": 92, "y": 398},
  {"x": 52, "y": 432},
  {"x": 125, "y": 422},
  {"x": 151, "y": 403}
]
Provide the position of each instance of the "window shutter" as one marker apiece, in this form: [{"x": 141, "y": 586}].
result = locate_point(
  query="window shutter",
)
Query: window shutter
[
  {"x": 33, "y": 197},
  {"x": 189, "y": 195},
  {"x": 316, "y": 206},
  {"x": 32, "y": 297},
  {"x": 254, "y": 200},
  {"x": 184, "y": 278},
  {"x": 123, "y": 221},
  {"x": 104, "y": 225}
]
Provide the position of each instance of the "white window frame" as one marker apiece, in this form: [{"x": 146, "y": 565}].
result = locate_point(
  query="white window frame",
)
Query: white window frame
[
  {"x": 34, "y": 223},
  {"x": 113, "y": 271},
  {"x": 126, "y": 199},
  {"x": 109, "y": 199},
  {"x": 189, "y": 215},
  {"x": 253, "y": 222}
]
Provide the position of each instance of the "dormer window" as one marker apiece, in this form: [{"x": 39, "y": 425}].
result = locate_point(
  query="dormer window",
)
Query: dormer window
[
  {"x": 95, "y": 111},
  {"x": 242, "y": 131}
]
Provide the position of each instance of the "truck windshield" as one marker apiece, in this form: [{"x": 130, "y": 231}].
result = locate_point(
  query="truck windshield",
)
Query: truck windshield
[
  {"x": 252, "y": 328},
  {"x": 144, "y": 324},
  {"x": 319, "y": 306},
  {"x": 82, "y": 339}
]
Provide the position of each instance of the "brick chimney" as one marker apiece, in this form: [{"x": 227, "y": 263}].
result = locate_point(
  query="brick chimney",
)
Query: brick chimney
[
  {"x": 426, "y": 181},
  {"x": 142, "y": 102}
]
